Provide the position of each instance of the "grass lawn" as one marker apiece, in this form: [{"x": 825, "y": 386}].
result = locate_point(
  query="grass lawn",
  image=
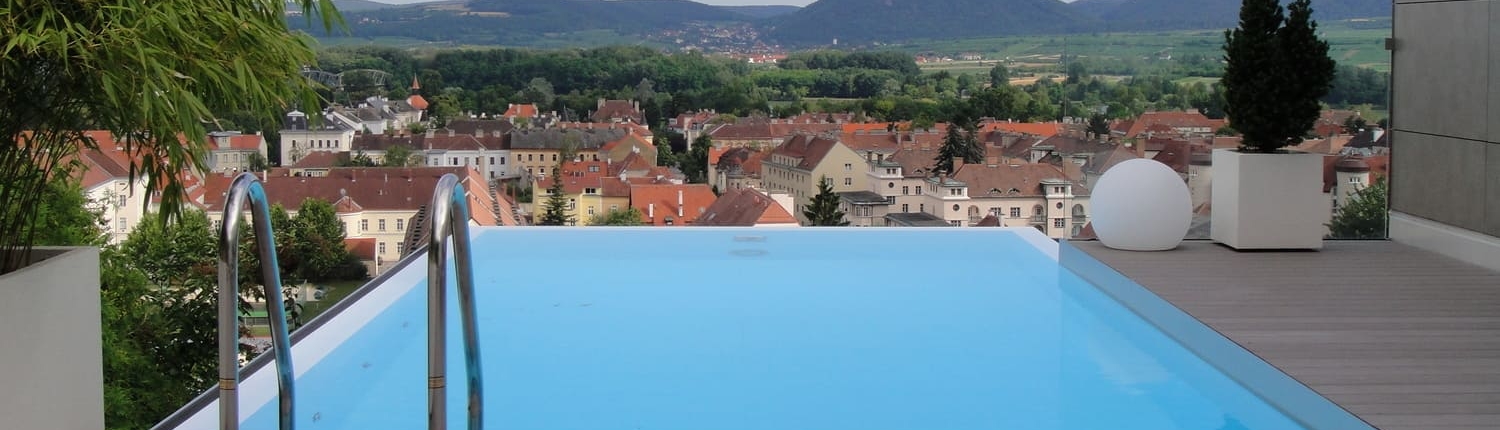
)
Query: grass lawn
[{"x": 335, "y": 292}]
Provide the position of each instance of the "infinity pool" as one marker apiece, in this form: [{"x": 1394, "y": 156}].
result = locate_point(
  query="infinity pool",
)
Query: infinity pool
[{"x": 816, "y": 329}]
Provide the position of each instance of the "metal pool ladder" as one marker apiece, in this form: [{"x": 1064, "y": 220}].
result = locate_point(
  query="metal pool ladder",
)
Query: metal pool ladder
[
  {"x": 450, "y": 221},
  {"x": 244, "y": 187}
]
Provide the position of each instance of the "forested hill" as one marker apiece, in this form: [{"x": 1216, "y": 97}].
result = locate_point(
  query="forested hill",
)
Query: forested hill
[
  {"x": 762, "y": 11},
  {"x": 1135, "y": 15},
  {"x": 850, "y": 22},
  {"x": 525, "y": 22},
  {"x": 897, "y": 20}
]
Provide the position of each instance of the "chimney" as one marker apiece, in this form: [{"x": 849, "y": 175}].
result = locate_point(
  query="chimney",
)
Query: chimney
[
  {"x": 450, "y": 132},
  {"x": 651, "y": 212},
  {"x": 431, "y": 132},
  {"x": 991, "y": 161},
  {"x": 679, "y": 203},
  {"x": 478, "y": 132},
  {"x": 958, "y": 163}
]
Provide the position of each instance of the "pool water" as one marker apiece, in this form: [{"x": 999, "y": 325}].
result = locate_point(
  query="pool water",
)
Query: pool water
[{"x": 785, "y": 329}]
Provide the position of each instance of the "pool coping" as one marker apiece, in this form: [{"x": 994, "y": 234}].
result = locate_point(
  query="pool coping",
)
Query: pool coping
[{"x": 1291, "y": 397}]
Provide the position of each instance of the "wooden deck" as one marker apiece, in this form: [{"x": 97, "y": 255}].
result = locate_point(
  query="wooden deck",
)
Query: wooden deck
[{"x": 1403, "y": 338}]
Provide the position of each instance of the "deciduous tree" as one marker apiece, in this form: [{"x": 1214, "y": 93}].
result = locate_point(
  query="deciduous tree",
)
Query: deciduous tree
[{"x": 1363, "y": 216}]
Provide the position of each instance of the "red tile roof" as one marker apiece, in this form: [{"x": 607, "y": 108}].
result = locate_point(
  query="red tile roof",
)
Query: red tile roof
[
  {"x": 808, "y": 149},
  {"x": 624, "y": 110},
  {"x": 368, "y": 188},
  {"x": 1011, "y": 180},
  {"x": 744, "y": 207},
  {"x": 662, "y": 199},
  {"x": 1171, "y": 120},
  {"x": 520, "y": 111},
  {"x": 320, "y": 159},
  {"x": 1043, "y": 129}
]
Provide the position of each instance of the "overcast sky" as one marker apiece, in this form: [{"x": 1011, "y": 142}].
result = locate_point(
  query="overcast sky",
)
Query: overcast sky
[{"x": 715, "y": 2}]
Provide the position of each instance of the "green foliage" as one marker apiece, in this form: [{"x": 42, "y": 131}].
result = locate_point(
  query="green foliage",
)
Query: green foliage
[
  {"x": 146, "y": 71},
  {"x": 999, "y": 75},
  {"x": 319, "y": 244},
  {"x": 66, "y": 217},
  {"x": 1354, "y": 124},
  {"x": 359, "y": 159},
  {"x": 664, "y": 155},
  {"x": 1276, "y": 70},
  {"x": 401, "y": 156},
  {"x": 619, "y": 217},
  {"x": 1098, "y": 126},
  {"x": 823, "y": 209},
  {"x": 694, "y": 163},
  {"x": 960, "y": 142},
  {"x": 896, "y": 61},
  {"x": 1363, "y": 216},
  {"x": 555, "y": 211},
  {"x": 258, "y": 162}
]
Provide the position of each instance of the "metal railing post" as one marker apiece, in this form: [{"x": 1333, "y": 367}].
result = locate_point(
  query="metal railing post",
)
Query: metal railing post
[
  {"x": 449, "y": 219},
  {"x": 247, "y": 187}
]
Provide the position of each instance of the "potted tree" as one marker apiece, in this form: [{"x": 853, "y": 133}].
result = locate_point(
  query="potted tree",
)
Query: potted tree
[
  {"x": 1264, "y": 196},
  {"x": 153, "y": 74}
]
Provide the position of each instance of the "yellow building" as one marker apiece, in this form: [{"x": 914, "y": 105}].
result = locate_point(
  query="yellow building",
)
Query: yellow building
[
  {"x": 796, "y": 165},
  {"x": 589, "y": 188}
]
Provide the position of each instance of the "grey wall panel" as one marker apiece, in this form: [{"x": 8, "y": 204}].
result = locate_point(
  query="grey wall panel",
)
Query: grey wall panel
[
  {"x": 1439, "y": 178},
  {"x": 1492, "y": 191},
  {"x": 1442, "y": 58}
]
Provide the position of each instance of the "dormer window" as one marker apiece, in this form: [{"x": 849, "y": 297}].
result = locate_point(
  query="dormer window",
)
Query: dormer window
[{"x": 591, "y": 191}]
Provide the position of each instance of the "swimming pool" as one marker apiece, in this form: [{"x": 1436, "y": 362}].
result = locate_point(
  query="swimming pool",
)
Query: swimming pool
[{"x": 706, "y": 328}]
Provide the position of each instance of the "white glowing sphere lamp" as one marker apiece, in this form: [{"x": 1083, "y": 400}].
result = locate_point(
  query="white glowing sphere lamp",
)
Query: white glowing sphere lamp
[{"x": 1141, "y": 205}]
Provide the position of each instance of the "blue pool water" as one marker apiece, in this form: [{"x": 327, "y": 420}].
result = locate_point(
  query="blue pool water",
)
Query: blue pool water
[{"x": 788, "y": 329}]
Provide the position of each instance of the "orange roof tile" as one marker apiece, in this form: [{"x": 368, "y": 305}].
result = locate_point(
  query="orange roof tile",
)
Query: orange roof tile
[
  {"x": 662, "y": 200},
  {"x": 1043, "y": 129}
]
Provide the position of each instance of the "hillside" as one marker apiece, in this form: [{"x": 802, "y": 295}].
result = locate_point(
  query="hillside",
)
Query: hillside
[
  {"x": 525, "y": 22},
  {"x": 1134, "y": 15},
  {"x": 762, "y": 11},
  {"x": 860, "y": 21},
  {"x": 359, "y": 5}
]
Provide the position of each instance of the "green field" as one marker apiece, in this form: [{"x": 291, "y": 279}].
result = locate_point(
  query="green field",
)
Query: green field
[{"x": 1357, "y": 42}]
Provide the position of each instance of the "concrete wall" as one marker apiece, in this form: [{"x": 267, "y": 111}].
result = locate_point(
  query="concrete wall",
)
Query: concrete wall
[
  {"x": 1446, "y": 113},
  {"x": 51, "y": 361}
]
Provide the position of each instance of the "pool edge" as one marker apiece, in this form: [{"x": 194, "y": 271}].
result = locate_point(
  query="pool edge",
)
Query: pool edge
[{"x": 1293, "y": 398}]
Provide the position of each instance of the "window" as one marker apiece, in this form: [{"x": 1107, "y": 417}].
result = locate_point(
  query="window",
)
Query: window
[
  {"x": 1015, "y": 212},
  {"x": 478, "y": 161},
  {"x": 921, "y": 207},
  {"x": 1354, "y": 180},
  {"x": 217, "y": 224},
  {"x": 554, "y": 157},
  {"x": 591, "y": 191},
  {"x": 400, "y": 248},
  {"x": 956, "y": 223},
  {"x": 529, "y": 157},
  {"x": 613, "y": 208},
  {"x": 381, "y": 224},
  {"x": 381, "y": 247},
  {"x": 492, "y": 160},
  {"x": 891, "y": 185},
  {"x": 955, "y": 207},
  {"x": 542, "y": 171},
  {"x": 593, "y": 168},
  {"x": 1059, "y": 222},
  {"x": 905, "y": 208},
  {"x": 591, "y": 210},
  {"x": 848, "y": 181},
  {"x": 435, "y": 162},
  {"x": 1059, "y": 205},
  {"x": 400, "y": 224},
  {"x": 121, "y": 225},
  {"x": 123, "y": 200},
  {"x": 364, "y": 224},
  {"x": 905, "y": 190},
  {"x": 502, "y": 161},
  {"x": 455, "y": 160},
  {"x": 848, "y": 167}
]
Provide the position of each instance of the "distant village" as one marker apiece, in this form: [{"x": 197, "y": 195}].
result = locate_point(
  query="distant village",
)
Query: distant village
[{"x": 761, "y": 171}]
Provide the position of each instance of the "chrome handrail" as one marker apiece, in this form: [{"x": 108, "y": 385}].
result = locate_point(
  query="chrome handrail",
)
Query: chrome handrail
[
  {"x": 247, "y": 186},
  {"x": 450, "y": 219}
]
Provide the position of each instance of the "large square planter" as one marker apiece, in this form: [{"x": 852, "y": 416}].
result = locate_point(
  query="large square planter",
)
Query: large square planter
[
  {"x": 1268, "y": 201},
  {"x": 51, "y": 358}
]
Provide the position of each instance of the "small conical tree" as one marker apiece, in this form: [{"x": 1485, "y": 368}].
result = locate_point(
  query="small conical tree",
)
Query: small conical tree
[
  {"x": 961, "y": 142},
  {"x": 555, "y": 211},
  {"x": 1276, "y": 70},
  {"x": 823, "y": 210}
]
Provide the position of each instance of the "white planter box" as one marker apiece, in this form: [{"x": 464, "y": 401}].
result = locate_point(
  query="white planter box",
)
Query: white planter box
[
  {"x": 1268, "y": 201},
  {"x": 51, "y": 358}
]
